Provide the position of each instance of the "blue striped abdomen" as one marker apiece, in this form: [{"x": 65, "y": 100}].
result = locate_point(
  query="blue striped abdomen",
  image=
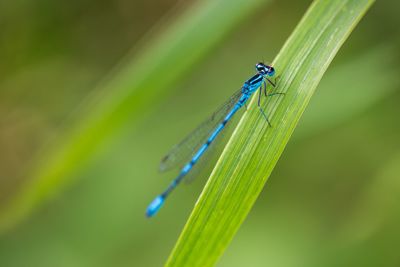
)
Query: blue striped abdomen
[{"x": 212, "y": 137}]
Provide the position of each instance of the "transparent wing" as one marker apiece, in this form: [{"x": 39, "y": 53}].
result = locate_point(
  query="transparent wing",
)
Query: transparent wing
[
  {"x": 210, "y": 157},
  {"x": 183, "y": 151}
]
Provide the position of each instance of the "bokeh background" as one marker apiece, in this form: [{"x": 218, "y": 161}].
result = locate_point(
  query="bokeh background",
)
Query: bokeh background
[{"x": 332, "y": 200}]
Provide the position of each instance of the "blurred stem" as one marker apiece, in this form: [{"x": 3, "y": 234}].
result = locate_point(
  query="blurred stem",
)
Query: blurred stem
[{"x": 254, "y": 148}]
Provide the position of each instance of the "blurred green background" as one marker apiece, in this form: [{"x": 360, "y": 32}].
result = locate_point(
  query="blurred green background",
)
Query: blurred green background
[{"x": 332, "y": 200}]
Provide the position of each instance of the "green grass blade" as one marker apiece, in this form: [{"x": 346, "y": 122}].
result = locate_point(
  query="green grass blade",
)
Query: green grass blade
[
  {"x": 131, "y": 91},
  {"x": 254, "y": 148}
]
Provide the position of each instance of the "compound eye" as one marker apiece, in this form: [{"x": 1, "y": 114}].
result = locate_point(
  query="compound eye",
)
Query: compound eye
[{"x": 271, "y": 71}]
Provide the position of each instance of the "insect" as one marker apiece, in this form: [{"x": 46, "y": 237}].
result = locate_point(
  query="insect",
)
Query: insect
[{"x": 207, "y": 132}]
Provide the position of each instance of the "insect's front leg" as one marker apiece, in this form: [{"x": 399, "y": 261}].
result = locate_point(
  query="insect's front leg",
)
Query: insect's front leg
[{"x": 274, "y": 85}]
